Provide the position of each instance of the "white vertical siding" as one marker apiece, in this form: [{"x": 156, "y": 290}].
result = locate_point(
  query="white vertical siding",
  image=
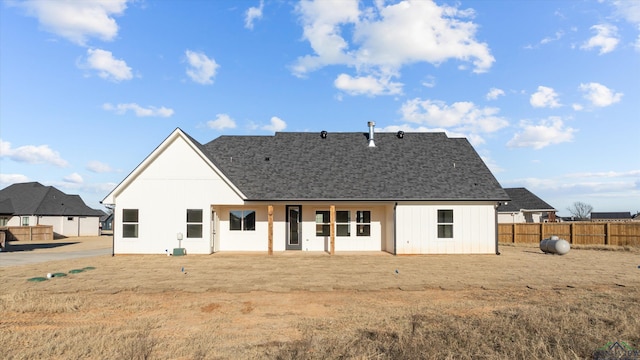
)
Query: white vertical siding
[
  {"x": 373, "y": 242},
  {"x": 176, "y": 180},
  {"x": 240, "y": 240},
  {"x": 473, "y": 228},
  {"x": 89, "y": 226}
]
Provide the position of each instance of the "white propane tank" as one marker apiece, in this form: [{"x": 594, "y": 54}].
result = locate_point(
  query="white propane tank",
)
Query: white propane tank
[{"x": 555, "y": 245}]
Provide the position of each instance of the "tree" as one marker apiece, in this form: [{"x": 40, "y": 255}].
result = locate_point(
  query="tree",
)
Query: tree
[{"x": 580, "y": 210}]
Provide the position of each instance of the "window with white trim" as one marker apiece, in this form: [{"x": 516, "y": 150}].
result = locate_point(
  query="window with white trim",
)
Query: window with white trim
[
  {"x": 242, "y": 220},
  {"x": 194, "y": 223},
  {"x": 25, "y": 221},
  {"x": 129, "y": 223},
  {"x": 445, "y": 224}
]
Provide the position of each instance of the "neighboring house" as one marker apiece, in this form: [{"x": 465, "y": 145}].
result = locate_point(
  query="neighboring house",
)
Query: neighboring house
[
  {"x": 34, "y": 204},
  {"x": 611, "y": 216},
  {"x": 524, "y": 207},
  {"x": 106, "y": 222},
  {"x": 6, "y": 211},
  {"x": 413, "y": 193}
]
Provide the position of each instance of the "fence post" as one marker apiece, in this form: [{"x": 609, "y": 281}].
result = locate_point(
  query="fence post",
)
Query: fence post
[
  {"x": 571, "y": 233},
  {"x": 607, "y": 233},
  {"x": 541, "y": 232}
]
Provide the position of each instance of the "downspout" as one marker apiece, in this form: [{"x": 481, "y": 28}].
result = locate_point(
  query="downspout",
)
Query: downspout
[
  {"x": 394, "y": 229},
  {"x": 496, "y": 224},
  {"x": 113, "y": 232}
]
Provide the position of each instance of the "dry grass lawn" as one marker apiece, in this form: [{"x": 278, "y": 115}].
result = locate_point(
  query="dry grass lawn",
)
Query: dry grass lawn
[{"x": 522, "y": 304}]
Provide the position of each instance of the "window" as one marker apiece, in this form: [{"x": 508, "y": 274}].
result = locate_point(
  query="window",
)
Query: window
[
  {"x": 4, "y": 221},
  {"x": 323, "y": 223},
  {"x": 194, "y": 223},
  {"x": 343, "y": 218},
  {"x": 129, "y": 223},
  {"x": 242, "y": 220},
  {"x": 25, "y": 221},
  {"x": 363, "y": 221},
  {"x": 445, "y": 224}
]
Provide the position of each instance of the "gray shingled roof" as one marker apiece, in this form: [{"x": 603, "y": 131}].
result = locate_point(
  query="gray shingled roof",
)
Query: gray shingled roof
[
  {"x": 6, "y": 207},
  {"x": 34, "y": 198},
  {"x": 305, "y": 166},
  {"x": 523, "y": 199},
  {"x": 611, "y": 215}
]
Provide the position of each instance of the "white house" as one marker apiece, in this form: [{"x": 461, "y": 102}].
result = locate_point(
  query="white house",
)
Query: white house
[
  {"x": 32, "y": 204},
  {"x": 403, "y": 193},
  {"x": 524, "y": 207}
]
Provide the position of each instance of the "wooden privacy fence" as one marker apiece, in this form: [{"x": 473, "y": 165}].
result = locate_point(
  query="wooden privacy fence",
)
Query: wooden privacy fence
[
  {"x": 579, "y": 233},
  {"x": 28, "y": 233}
]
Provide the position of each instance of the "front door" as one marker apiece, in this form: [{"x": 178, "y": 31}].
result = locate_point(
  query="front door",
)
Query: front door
[{"x": 294, "y": 236}]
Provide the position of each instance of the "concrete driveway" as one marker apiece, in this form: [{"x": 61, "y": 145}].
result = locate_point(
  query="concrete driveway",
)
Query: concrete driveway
[
  {"x": 26, "y": 258},
  {"x": 28, "y": 252}
]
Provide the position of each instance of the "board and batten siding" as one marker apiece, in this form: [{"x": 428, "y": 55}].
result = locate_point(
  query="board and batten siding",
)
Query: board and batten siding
[
  {"x": 175, "y": 179},
  {"x": 257, "y": 240},
  {"x": 474, "y": 228}
]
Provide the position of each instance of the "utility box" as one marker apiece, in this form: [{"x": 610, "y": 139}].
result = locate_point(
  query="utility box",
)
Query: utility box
[{"x": 179, "y": 252}]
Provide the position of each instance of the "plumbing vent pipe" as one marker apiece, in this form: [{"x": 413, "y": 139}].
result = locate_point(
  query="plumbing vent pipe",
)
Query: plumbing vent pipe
[{"x": 371, "y": 126}]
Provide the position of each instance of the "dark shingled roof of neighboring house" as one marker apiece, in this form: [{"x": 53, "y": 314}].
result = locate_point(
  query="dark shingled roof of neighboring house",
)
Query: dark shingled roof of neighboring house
[
  {"x": 306, "y": 166},
  {"x": 523, "y": 199},
  {"x": 34, "y": 198},
  {"x": 610, "y": 215}
]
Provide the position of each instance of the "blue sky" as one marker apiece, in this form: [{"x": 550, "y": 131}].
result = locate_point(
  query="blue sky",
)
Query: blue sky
[{"x": 548, "y": 92}]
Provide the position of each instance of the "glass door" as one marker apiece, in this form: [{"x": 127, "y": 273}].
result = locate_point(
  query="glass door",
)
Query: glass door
[{"x": 294, "y": 217}]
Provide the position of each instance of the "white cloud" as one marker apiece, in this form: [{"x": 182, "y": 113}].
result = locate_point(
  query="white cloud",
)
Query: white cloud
[
  {"x": 461, "y": 116},
  {"x": 460, "y": 119},
  {"x": 544, "y": 97},
  {"x": 557, "y": 36},
  {"x": 222, "y": 121},
  {"x": 32, "y": 154},
  {"x": 13, "y": 179},
  {"x": 605, "y": 174},
  {"x": 577, "y": 107},
  {"x": 252, "y": 14},
  {"x": 494, "y": 93},
  {"x": 276, "y": 124},
  {"x": 630, "y": 11},
  {"x": 98, "y": 167},
  {"x": 606, "y": 38},
  {"x": 429, "y": 82},
  {"x": 367, "y": 85},
  {"x": 140, "y": 111},
  {"x": 74, "y": 178},
  {"x": 77, "y": 21},
  {"x": 547, "y": 132},
  {"x": 108, "y": 67},
  {"x": 600, "y": 95},
  {"x": 387, "y": 36},
  {"x": 201, "y": 69}
]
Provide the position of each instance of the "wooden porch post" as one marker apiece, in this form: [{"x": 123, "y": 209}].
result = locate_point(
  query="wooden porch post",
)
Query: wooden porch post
[
  {"x": 270, "y": 231},
  {"x": 332, "y": 229}
]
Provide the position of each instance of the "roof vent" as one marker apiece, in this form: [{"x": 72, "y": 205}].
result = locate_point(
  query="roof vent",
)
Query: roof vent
[
  {"x": 371, "y": 126},
  {"x": 400, "y": 134},
  {"x": 323, "y": 134}
]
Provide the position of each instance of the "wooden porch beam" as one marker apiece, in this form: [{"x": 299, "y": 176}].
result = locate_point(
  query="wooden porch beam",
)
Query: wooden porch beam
[
  {"x": 270, "y": 231},
  {"x": 332, "y": 229}
]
